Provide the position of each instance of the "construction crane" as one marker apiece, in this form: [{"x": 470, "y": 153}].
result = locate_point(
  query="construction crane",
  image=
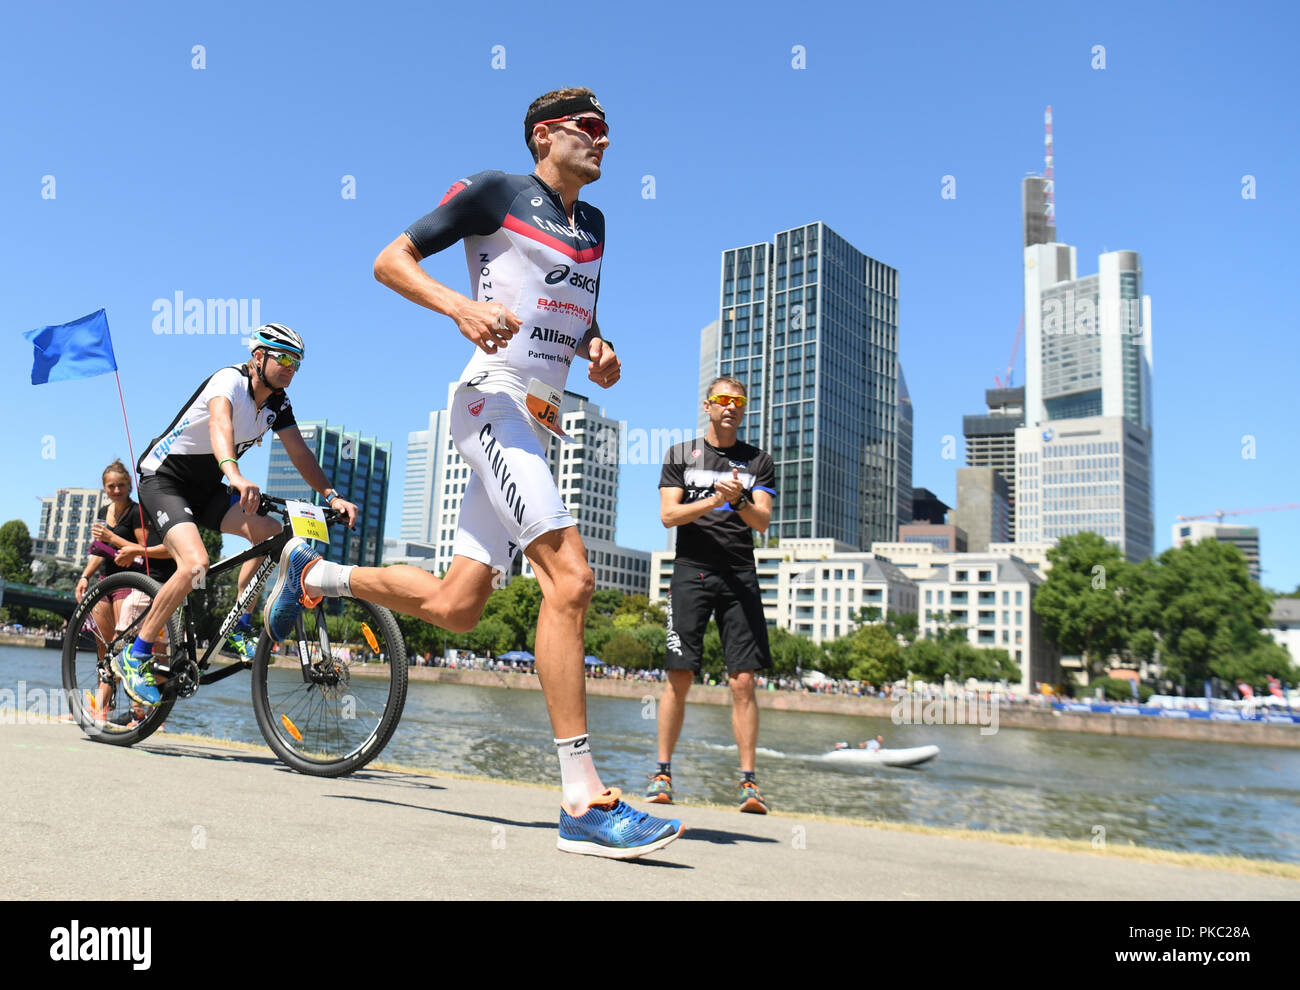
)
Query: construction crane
[
  {"x": 1220, "y": 513},
  {"x": 1015, "y": 349}
]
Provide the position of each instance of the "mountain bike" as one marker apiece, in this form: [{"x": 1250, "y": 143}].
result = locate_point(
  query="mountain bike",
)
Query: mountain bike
[{"x": 328, "y": 714}]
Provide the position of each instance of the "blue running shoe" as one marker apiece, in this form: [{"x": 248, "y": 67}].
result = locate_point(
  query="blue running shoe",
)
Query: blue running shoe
[
  {"x": 136, "y": 677},
  {"x": 614, "y": 830},
  {"x": 288, "y": 596}
]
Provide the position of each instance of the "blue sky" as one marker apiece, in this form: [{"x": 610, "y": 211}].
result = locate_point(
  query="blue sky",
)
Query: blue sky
[{"x": 225, "y": 182}]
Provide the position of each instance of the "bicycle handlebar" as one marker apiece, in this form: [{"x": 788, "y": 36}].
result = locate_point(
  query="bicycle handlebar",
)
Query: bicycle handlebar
[{"x": 269, "y": 503}]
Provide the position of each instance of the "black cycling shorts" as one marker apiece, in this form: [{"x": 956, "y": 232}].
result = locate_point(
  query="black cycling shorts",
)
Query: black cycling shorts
[
  {"x": 169, "y": 502},
  {"x": 695, "y": 596}
]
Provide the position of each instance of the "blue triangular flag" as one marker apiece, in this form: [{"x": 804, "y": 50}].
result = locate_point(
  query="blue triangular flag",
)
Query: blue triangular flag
[{"x": 80, "y": 349}]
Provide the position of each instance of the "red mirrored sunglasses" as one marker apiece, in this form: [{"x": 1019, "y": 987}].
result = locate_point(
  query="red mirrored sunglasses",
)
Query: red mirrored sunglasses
[{"x": 593, "y": 127}]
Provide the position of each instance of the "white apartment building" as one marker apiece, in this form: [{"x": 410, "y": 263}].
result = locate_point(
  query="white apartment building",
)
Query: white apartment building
[
  {"x": 66, "y": 519},
  {"x": 992, "y": 596},
  {"x": 919, "y": 560}
]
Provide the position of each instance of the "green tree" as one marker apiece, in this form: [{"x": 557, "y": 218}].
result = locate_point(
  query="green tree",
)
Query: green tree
[
  {"x": 1206, "y": 616},
  {"x": 1082, "y": 602},
  {"x": 492, "y": 635},
  {"x": 926, "y": 659},
  {"x": 876, "y": 656},
  {"x": 15, "y": 552},
  {"x": 656, "y": 638},
  {"x": 792, "y": 652},
  {"x": 517, "y": 606},
  {"x": 625, "y": 650}
]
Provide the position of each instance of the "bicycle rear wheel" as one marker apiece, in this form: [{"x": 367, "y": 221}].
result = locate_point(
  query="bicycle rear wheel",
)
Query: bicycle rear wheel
[
  {"x": 335, "y": 715},
  {"x": 95, "y": 634}
]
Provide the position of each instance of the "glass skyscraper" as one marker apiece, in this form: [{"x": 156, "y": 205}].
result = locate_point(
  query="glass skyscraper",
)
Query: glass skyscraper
[
  {"x": 359, "y": 468},
  {"x": 810, "y": 324}
]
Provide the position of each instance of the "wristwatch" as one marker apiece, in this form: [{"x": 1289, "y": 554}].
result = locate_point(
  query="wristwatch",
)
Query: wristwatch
[
  {"x": 741, "y": 502},
  {"x": 330, "y": 494}
]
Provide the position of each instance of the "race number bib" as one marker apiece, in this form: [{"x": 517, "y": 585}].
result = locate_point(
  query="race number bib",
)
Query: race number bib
[
  {"x": 308, "y": 521},
  {"x": 544, "y": 405}
]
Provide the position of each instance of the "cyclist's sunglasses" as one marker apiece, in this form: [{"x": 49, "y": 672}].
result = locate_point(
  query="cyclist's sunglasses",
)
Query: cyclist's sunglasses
[
  {"x": 593, "y": 127},
  {"x": 285, "y": 360},
  {"x": 729, "y": 400}
]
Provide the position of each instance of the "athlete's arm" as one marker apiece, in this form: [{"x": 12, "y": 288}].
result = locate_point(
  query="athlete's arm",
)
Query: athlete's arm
[
  {"x": 221, "y": 429},
  {"x": 673, "y": 512},
  {"x": 757, "y": 512},
  {"x": 305, "y": 461},
  {"x": 605, "y": 369}
]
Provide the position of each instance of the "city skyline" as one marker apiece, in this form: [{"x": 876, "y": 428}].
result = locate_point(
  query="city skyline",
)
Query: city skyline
[{"x": 262, "y": 217}]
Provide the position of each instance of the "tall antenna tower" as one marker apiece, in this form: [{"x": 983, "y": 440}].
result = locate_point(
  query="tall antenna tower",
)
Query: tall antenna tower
[{"x": 1049, "y": 186}]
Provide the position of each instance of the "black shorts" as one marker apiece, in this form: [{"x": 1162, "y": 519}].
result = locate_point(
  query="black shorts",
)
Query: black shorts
[
  {"x": 169, "y": 502},
  {"x": 695, "y": 596}
]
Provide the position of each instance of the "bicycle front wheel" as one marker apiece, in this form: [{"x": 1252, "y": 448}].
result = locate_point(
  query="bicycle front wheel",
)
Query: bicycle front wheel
[
  {"x": 333, "y": 711},
  {"x": 99, "y": 630}
]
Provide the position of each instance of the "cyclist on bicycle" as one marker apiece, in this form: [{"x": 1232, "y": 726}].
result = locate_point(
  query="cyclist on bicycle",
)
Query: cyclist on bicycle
[{"x": 189, "y": 476}]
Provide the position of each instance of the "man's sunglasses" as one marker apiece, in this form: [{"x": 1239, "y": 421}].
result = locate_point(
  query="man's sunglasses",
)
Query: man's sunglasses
[
  {"x": 729, "y": 400},
  {"x": 285, "y": 360},
  {"x": 593, "y": 127}
]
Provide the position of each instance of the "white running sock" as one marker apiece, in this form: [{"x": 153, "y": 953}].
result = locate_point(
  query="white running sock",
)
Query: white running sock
[
  {"x": 578, "y": 777},
  {"x": 329, "y": 579}
]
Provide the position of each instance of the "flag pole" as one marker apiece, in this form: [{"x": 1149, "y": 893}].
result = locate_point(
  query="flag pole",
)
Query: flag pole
[{"x": 135, "y": 470}]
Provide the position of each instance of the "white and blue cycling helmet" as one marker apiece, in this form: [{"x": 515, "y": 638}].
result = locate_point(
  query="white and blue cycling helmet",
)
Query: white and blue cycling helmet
[{"x": 277, "y": 337}]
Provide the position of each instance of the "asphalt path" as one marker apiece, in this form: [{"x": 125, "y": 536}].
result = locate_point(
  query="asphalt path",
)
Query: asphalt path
[{"x": 216, "y": 822}]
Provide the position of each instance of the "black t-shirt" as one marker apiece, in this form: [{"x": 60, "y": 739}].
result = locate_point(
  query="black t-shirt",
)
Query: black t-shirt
[
  {"x": 160, "y": 568},
  {"x": 719, "y": 540}
]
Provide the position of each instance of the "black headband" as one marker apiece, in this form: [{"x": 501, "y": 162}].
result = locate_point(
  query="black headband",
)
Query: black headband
[{"x": 564, "y": 108}]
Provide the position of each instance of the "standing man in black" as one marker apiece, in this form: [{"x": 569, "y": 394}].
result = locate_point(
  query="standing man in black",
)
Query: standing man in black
[{"x": 716, "y": 489}]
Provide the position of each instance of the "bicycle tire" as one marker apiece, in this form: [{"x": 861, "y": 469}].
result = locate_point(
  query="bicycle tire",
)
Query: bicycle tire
[
  {"x": 312, "y": 727},
  {"x": 118, "y": 722}
]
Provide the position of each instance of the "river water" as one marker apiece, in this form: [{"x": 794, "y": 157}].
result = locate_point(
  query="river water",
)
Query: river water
[{"x": 1189, "y": 796}]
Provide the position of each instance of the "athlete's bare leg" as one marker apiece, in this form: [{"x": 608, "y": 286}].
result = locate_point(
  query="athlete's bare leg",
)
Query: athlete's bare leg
[
  {"x": 744, "y": 717},
  {"x": 560, "y": 561},
  {"x": 254, "y": 529},
  {"x": 672, "y": 710},
  {"x": 453, "y": 602}
]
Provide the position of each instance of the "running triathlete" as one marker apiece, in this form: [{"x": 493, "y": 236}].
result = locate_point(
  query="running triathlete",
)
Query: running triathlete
[
  {"x": 189, "y": 476},
  {"x": 534, "y": 254}
]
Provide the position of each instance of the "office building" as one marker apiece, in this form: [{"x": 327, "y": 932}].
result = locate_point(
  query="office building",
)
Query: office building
[
  {"x": 991, "y": 440},
  {"x": 983, "y": 507},
  {"x": 940, "y": 535},
  {"x": 708, "y": 371},
  {"x": 424, "y": 456},
  {"x": 1089, "y": 474},
  {"x": 1244, "y": 538},
  {"x": 66, "y": 519},
  {"x": 359, "y": 468},
  {"x": 1087, "y": 434},
  {"x": 919, "y": 560},
  {"x": 903, "y": 456},
  {"x": 810, "y": 324},
  {"x": 927, "y": 507}
]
